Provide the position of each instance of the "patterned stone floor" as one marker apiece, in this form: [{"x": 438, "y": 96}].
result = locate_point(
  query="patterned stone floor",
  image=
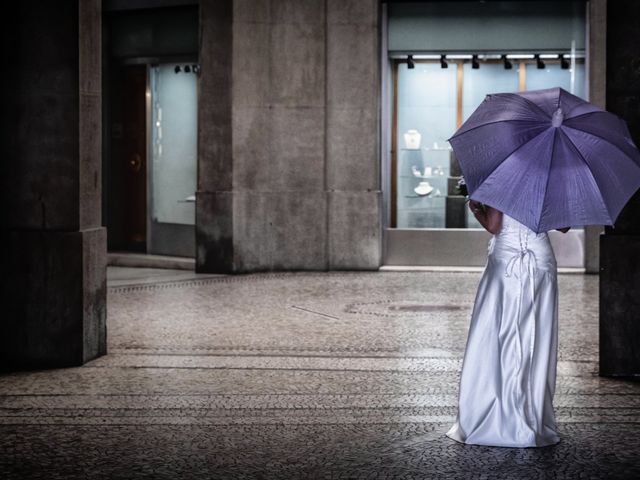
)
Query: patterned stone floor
[{"x": 302, "y": 375}]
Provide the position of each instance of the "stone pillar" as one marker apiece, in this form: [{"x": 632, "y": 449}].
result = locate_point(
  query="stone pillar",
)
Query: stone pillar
[
  {"x": 620, "y": 246},
  {"x": 596, "y": 78},
  {"x": 53, "y": 244},
  {"x": 289, "y": 165},
  {"x": 214, "y": 208},
  {"x": 280, "y": 205},
  {"x": 353, "y": 134}
]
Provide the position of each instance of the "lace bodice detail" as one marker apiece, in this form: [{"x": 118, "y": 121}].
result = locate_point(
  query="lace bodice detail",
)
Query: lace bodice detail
[
  {"x": 518, "y": 243},
  {"x": 511, "y": 226}
]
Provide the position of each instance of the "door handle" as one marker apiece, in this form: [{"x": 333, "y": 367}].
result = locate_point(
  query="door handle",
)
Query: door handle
[{"x": 135, "y": 162}]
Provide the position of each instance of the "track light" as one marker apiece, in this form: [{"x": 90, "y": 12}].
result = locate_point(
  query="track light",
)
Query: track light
[
  {"x": 177, "y": 69},
  {"x": 564, "y": 64},
  {"x": 410, "y": 63},
  {"x": 520, "y": 56},
  {"x": 443, "y": 63},
  {"x": 474, "y": 62},
  {"x": 195, "y": 69},
  {"x": 187, "y": 69},
  {"x": 507, "y": 63},
  {"x": 539, "y": 62}
]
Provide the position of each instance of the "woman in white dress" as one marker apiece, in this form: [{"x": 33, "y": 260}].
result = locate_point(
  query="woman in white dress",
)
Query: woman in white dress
[{"x": 508, "y": 373}]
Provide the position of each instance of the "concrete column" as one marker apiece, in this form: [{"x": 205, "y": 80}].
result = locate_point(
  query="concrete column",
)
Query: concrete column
[
  {"x": 353, "y": 134},
  {"x": 620, "y": 246},
  {"x": 53, "y": 245},
  {"x": 214, "y": 212},
  {"x": 299, "y": 187},
  {"x": 596, "y": 77},
  {"x": 279, "y": 135}
]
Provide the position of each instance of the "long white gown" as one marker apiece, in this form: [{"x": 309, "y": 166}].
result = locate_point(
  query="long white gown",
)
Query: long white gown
[{"x": 508, "y": 373}]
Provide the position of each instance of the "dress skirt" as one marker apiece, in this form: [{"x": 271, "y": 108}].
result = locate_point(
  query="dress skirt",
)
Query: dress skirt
[{"x": 508, "y": 376}]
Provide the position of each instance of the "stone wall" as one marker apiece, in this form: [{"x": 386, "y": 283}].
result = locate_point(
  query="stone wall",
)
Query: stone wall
[
  {"x": 620, "y": 246},
  {"x": 289, "y": 136}
]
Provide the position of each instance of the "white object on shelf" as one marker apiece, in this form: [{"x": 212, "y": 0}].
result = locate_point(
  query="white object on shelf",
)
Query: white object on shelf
[
  {"x": 424, "y": 188},
  {"x": 428, "y": 172},
  {"x": 412, "y": 139}
]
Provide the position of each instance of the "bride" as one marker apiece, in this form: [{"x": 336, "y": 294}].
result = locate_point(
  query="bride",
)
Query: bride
[{"x": 508, "y": 373}]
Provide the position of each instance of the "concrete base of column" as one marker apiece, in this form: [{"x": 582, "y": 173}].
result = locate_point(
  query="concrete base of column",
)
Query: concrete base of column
[
  {"x": 54, "y": 298},
  {"x": 619, "y": 305},
  {"x": 214, "y": 232}
]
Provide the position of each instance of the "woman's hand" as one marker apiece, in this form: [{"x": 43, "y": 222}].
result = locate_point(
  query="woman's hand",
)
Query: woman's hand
[
  {"x": 489, "y": 217},
  {"x": 476, "y": 207}
]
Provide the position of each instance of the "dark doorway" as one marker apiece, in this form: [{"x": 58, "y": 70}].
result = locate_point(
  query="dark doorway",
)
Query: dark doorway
[
  {"x": 128, "y": 167},
  {"x": 150, "y": 71}
]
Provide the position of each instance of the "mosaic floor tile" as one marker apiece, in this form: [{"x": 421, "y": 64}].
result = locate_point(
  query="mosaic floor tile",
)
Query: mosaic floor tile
[{"x": 302, "y": 375}]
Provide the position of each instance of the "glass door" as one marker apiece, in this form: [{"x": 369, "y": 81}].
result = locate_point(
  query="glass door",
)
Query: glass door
[{"x": 172, "y": 137}]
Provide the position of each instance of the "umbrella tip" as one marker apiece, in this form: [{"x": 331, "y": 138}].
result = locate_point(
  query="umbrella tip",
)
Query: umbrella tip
[{"x": 557, "y": 118}]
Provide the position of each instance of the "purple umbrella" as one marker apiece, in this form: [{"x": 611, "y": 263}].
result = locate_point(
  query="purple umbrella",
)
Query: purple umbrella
[{"x": 548, "y": 159}]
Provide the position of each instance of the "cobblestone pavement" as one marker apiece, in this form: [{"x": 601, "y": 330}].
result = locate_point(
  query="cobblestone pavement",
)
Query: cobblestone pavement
[{"x": 303, "y": 375}]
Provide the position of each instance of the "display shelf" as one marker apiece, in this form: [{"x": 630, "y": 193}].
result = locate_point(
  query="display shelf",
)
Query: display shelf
[
  {"x": 427, "y": 197},
  {"x": 432, "y": 177},
  {"x": 428, "y": 149},
  {"x": 413, "y": 175},
  {"x": 432, "y": 210}
]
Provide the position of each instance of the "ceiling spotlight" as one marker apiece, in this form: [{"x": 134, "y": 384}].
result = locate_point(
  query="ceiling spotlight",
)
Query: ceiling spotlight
[
  {"x": 564, "y": 64},
  {"x": 474, "y": 62},
  {"x": 443, "y": 63},
  {"x": 187, "y": 69},
  {"x": 539, "y": 62},
  {"x": 177, "y": 69},
  {"x": 410, "y": 63},
  {"x": 507, "y": 63}
]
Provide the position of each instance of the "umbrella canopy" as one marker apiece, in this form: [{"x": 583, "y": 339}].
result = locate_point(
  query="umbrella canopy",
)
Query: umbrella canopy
[{"x": 548, "y": 159}]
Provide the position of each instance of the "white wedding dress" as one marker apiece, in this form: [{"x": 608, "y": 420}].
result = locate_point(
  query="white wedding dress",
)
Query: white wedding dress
[{"x": 508, "y": 373}]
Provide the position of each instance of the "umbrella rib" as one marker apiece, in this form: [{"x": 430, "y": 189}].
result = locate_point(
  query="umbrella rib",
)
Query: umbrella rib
[
  {"x": 589, "y": 170},
  {"x": 601, "y": 138},
  {"x": 546, "y": 186},
  {"x": 491, "y": 123},
  {"x": 567, "y": 118},
  {"x": 511, "y": 153},
  {"x": 535, "y": 106}
]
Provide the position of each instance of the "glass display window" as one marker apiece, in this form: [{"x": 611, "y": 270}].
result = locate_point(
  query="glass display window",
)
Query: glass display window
[{"x": 429, "y": 104}]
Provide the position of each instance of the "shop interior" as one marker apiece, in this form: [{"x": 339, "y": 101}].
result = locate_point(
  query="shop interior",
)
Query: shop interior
[
  {"x": 433, "y": 96},
  {"x": 439, "y": 61}
]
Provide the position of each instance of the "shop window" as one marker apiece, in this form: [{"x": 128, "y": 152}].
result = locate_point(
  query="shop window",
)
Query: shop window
[{"x": 429, "y": 104}]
